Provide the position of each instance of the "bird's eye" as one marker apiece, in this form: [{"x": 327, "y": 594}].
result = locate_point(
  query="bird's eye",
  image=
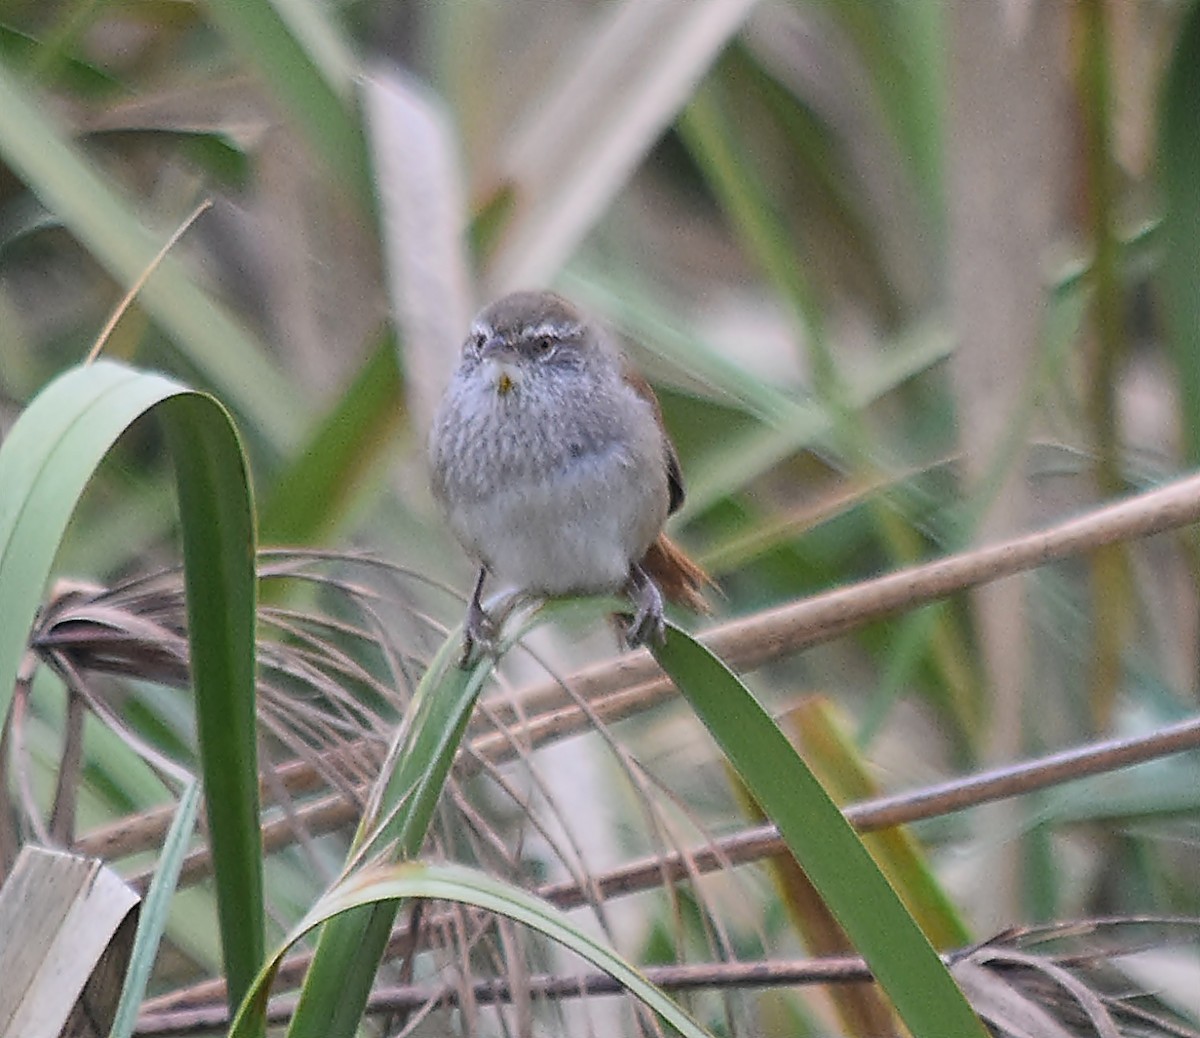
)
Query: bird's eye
[
  {"x": 475, "y": 344},
  {"x": 544, "y": 345}
]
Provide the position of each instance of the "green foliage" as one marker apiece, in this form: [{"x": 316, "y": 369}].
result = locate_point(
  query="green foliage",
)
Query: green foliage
[
  {"x": 1179, "y": 153},
  {"x": 396, "y": 822},
  {"x": 822, "y": 842},
  {"x": 45, "y": 463}
]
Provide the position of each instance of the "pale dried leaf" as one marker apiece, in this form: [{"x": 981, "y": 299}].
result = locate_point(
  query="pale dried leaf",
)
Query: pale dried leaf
[
  {"x": 1174, "y": 976},
  {"x": 1001, "y": 1004},
  {"x": 68, "y": 933},
  {"x": 424, "y": 222},
  {"x": 587, "y": 134}
]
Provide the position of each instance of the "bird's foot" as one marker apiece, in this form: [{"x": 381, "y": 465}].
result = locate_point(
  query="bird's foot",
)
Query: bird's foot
[
  {"x": 649, "y": 622},
  {"x": 481, "y": 633},
  {"x": 481, "y": 636}
]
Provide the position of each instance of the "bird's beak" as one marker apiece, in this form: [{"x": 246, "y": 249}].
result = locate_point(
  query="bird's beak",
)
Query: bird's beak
[{"x": 502, "y": 364}]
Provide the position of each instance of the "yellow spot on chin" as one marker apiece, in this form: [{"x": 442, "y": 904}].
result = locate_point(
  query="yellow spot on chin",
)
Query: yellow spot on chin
[{"x": 504, "y": 383}]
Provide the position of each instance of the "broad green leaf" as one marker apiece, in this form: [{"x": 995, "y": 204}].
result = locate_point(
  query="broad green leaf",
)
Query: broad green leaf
[
  {"x": 219, "y": 567},
  {"x": 45, "y": 463},
  {"x": 818, "y": 727},
  {"x": 821, "y": 840}
]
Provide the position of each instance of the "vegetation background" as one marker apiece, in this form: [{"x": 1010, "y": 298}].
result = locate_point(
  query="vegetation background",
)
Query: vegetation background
[{"x": 909, "y": 276}]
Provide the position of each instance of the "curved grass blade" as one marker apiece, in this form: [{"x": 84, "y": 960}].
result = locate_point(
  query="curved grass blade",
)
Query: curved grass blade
[
  {"x": 351, "y": 946},
  {"x": 45, "y": 463},
  {"x": 821, "y": 840},
  {"x": 469, "y": 887},
  {"x": 397, "y": 818},
  {"x": 217, "y": 514}
]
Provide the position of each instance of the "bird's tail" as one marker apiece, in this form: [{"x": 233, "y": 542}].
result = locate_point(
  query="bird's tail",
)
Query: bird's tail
[{"x": 679, "y": 578}]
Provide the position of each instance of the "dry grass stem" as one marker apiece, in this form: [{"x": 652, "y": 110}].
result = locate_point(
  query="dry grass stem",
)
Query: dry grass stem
[
  {"x": 772, "y": 634},
  {"x": 755, "y": 844},
  {"x": 904, "y": 808},
  {"x": 136, "y": 287},
  {"x": 1021, "y": 961},
  {"x": 630, "y": 684}
]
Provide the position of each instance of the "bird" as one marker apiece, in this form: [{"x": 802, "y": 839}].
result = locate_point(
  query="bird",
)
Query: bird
[{"x": 550, "y": 460}]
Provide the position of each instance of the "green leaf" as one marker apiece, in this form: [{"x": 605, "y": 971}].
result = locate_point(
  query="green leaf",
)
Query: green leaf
[
  {"x": 822, "y": 841},
  {"x": 1179, "y": 149},
  {"x": 469, "y": 887},
  {"x": 304, "y": 60},
  {"x": 45, "y": 463},
  {"x": 351, "y": 946},
  {"x": 818, "y": 728},
  {"x": 396, "y": 820},
  {"x": 319, "y": 487},
  {"x": 152, "y": 919},
  {"x": 217, "y": 512}
]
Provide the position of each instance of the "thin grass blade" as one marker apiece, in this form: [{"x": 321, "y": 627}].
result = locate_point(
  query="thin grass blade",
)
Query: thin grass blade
[
  {"x": 1179, "y": 151},
  {"x": 351, "y": 946},
  {"x": 396, "y": 820},
  {"x": 469, "y": 887},
  {"x": 152, "y": 921}
]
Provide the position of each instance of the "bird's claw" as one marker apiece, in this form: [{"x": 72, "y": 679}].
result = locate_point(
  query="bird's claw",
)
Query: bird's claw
[
  {"x": 649, "y": 622},
  {"x": 480, "y": 635}
]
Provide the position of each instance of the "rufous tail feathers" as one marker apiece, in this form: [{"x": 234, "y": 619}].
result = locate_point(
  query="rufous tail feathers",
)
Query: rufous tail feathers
[{"x": 681, "y": 580}]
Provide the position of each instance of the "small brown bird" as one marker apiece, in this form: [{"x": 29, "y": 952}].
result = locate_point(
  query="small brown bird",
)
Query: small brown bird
[{"x": 550, "y": 458}]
